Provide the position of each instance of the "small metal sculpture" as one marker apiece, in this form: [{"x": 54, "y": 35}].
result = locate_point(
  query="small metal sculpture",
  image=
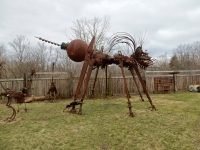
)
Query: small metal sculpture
[
  {"x": 78, "y": 51},
  {"x": 52, "y": 90},
  {"x": 18, "y": 96},
  {"x": 72, "y": 105}
]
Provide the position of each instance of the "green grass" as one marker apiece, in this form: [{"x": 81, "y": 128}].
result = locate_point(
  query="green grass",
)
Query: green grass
[{"x": 105, "y": 125}]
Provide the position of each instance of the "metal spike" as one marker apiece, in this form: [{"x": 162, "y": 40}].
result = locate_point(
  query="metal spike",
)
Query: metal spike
[{"x": 47, "y": 41}]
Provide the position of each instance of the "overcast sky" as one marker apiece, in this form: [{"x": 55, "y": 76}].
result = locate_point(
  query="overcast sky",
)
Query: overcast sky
[{"x": 167, "y": 23}]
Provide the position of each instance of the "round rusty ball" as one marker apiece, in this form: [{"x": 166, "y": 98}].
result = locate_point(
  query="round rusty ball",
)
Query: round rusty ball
[{"x": 76, "y": 50}]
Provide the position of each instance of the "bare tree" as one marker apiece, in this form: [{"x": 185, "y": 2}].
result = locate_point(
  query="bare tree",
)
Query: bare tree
[
  {"x": 2, "y": 51},
  {"x": 26, "y": 58},
  {"x": 2, "y": 61},
  {"x": 85, "y": 29},
  {"x": 21, "y": 46},
  {"x": 174, "y": 63},
  {"x": 188, "y": 55},
  {"x": 162, "y": 62},
  {"x": 66, "y": 64},
  {"x": 45, "y": 56}
]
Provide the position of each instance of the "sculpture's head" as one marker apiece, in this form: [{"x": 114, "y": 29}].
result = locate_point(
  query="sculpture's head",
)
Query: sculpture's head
[
  {"x": 142, "y": 58},
  {"x": 76, "y": 49},
  {"x": 138, "y": 55}
]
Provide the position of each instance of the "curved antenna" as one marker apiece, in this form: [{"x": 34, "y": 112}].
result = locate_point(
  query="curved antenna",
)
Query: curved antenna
[
  {"x": 47, "y": 41},
  {"x": 122, "y": 37}
]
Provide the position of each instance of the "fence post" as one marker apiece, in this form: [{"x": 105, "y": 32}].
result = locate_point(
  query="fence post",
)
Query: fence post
[
  {"x": 110, "y": 92},
  {"x": 25, "y": 80}
]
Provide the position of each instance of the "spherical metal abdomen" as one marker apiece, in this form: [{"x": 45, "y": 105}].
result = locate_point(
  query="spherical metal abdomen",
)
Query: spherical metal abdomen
[{"x": 76, "y": 50}]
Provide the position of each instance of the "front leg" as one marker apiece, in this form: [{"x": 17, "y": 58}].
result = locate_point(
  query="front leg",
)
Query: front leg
[
  {"x": 73, "y": 109},
  {"x": 89, "y": 71}
]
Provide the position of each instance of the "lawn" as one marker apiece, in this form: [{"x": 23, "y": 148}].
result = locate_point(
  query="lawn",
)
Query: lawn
[{"x": 105, "y": 125}]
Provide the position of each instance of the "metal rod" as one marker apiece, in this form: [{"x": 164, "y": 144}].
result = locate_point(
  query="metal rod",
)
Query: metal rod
[{"x": 47, "y": 41}]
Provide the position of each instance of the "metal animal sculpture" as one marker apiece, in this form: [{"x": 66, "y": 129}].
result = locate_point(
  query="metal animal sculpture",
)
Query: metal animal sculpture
[
  {"x": 18, "y": 96},
  {"x": 52, "y": 90},
  {"x": 78, "y": 51},
  {"x": 72, "y": 105}
]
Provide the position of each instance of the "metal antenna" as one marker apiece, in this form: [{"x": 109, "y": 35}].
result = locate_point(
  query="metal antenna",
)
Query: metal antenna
[{"x": 47, "y": 41}]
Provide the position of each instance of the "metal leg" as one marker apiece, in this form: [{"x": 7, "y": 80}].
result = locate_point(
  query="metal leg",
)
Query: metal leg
[
  {"x": 18, "y": 107},
  {"x": 144, "y": 87},
  {"x": 127, "y": 91},
  {"x": 84, "y": 68},
  {"x": 89, "y": 71},
  {"x": 95, "y": 79},
  {"x": 13, "y": 115},
  {"x": 83, "y": 72},
  {"x": 132, "y": 72},
  {"x": 14, "y": 111},
  {"x": 106, "y": 73},
  {"x": 25, "y": 107},
  {"x": 81, "y": 78}
]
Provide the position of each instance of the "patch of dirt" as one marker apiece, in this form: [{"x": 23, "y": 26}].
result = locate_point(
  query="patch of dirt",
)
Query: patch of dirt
[{"x": 6, "y": 120}]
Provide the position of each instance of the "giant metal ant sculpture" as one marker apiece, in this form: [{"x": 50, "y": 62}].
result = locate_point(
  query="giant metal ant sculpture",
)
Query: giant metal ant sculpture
[{"x": 78, "y": 51}]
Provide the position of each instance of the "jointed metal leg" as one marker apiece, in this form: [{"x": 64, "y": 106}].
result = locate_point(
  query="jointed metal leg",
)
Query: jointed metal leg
[
  {"x": 144, "y": 87},
  {"x": 14, "y": 111},
  {"x": 18, "y": 107},
  {"x": 81, "y": 79},
  {"x": 132, "y": 72},
  {"x": 106, "y": 73},
  {"x": 127, "y": 91},
  {"x": 89, "y": 71},
  {"x": 13, "y": 115},
  {"x": 83, "y": 72},
  {"x": 25, "y": 107},
  {"x": 95, "y": 79}
]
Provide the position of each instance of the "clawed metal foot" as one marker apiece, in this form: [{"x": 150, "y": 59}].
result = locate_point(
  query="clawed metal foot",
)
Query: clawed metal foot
[
  {"x": 131, "y": 114},
  {"x": 72, "y": 105},
  {"x": 152, "y": 108}
]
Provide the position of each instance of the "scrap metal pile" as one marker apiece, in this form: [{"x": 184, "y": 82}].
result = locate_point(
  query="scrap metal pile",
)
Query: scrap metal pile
[{"x": 79, "y": 51}]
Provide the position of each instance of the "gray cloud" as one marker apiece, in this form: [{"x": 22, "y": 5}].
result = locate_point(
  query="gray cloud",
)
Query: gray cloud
[{"x": 166, "y": 24}]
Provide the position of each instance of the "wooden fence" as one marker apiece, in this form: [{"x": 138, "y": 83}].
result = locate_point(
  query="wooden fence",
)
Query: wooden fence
[{"x": 67, "y": 86}]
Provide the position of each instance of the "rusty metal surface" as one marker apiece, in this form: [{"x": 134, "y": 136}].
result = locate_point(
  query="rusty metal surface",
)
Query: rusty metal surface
[
  {"x": 164, "y": 84},
  {"x": 18, "y": 96},
  {"x": 52, "y": 92},
  {"x": 96, "y": 58},
  {"x": 76, "y": 50}
]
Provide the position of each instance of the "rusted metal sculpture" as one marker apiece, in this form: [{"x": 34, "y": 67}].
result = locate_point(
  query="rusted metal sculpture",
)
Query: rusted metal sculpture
[
  {"x": 78, "y": 51},
  {"x": 52, "y": 90},
  {"x": 18, "y": 96}
]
